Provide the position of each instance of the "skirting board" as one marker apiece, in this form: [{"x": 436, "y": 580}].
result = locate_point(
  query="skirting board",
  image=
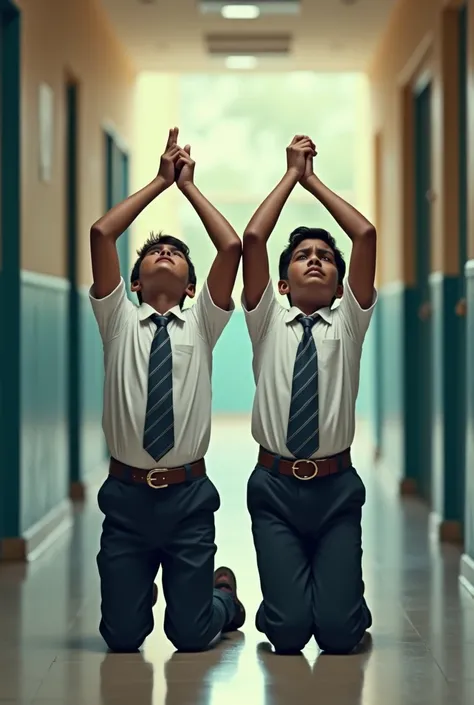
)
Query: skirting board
[
  {"x": 445, "y": 531},
  {"x": 408, "y": 487},
  {"x": 390, "y": 481},
  {"x": 80, "y": 492},
  {"x": 40, "y": 537},
  {"x": 466, "y": 577}
]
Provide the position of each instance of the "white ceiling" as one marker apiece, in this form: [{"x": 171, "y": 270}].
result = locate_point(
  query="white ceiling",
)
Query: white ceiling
[{"x": 327, "y": 35}]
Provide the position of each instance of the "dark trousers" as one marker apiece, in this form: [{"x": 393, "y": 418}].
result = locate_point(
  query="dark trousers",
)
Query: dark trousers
[
  {"x": 308, "y": 542},
  {"x": 173, "y": 528}
]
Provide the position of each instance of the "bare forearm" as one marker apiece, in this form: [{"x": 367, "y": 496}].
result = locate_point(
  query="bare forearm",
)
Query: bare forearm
[
  {"x": 218, "y": 228},
  {"x": 119, "y": 218},
  {"x": 266, "y": 216},
  {"x": 348, "y": 218}
]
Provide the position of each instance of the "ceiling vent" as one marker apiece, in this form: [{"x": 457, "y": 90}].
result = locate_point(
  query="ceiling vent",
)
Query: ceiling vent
[{"x": 248, "y": 44}]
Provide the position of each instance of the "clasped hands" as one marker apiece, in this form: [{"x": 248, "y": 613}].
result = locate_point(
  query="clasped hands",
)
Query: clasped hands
[
  {"x": 299, "y": 157},
  {"x": 176, "y": 165}
]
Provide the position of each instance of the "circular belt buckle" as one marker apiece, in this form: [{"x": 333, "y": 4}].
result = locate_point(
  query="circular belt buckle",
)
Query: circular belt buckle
[
  {"x": 295, "y": 468},
  {"x": 151, "y": 479}
]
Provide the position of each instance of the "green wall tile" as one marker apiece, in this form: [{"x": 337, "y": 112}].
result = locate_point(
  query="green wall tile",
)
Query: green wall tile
[
  {"x": 93, "y": 451},
  {"x": 44, "y": 415}
]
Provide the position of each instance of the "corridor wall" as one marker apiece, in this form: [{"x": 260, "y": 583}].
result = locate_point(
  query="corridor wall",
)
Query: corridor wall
[
  {"x": 62, "y": 43},
  {"x": 421, "y": 106}
]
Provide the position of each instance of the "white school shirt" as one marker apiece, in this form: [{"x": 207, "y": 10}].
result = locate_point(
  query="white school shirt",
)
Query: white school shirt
[
  {"x": 127, "y": 333},
  {"x": 275, "y": 334}
]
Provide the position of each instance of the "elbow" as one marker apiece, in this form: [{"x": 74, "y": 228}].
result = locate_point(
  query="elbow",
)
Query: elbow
[
  {"x": 368, "y": 233},
  {"x": 251, "y": 237},
  {"x": 96, "y": 232},
  {"x": 234, "y": 247}
]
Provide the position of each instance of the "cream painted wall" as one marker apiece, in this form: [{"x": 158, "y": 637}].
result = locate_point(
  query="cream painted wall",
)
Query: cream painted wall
[
  {"x": 60, "y": 41},
  {"x": 364, "y": 166},
  {"x": 420, "y": 38}
]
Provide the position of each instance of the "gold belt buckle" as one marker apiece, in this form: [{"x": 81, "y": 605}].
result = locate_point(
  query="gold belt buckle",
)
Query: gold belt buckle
[
  {"x": 294, "y": 469},
  {"x": 151, "y": 479}
]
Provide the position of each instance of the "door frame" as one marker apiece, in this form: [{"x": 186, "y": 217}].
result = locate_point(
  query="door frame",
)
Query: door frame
[
  {"x": 379, "y": 353},
  {"x": 71, "y": 89},
  {"x": 10, "y": 290},
  {"x": 415, "y": 78},
  {"x": 461, "y": 308},
  {"x": 463, "y": 78},
  {"x": 423, "y": 330},
  {"x": 112, "y": 136}
]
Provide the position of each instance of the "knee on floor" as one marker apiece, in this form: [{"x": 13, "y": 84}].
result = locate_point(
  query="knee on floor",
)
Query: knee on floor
[
  {"x": 189, "y": 640},
  {"x": 338, "y": 636},
  {"x": 291, "y": 637},
  {"x": 123, "y": 641}
]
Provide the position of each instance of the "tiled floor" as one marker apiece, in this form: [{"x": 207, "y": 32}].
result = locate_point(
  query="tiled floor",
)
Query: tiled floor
[{"x": 423, "y": 634}]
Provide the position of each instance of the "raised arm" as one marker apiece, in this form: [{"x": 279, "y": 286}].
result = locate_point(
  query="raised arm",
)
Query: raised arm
[
  {"x": 223, "y": 272},
  {"x": 256, "y": 273},
  {"x": 358, "y": 228},
  {"x": 106, "y": 231}
]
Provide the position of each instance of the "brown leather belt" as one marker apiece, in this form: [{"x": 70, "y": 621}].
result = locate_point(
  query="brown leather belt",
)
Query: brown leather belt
[
  {"x": 158, "y": 478},
  {"x": 306, "y": 469}
]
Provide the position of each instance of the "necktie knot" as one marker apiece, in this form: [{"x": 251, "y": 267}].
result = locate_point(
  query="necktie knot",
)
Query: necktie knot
[
  {"x": 307, "y": 322},
  {"x": 160, "y": 321}
]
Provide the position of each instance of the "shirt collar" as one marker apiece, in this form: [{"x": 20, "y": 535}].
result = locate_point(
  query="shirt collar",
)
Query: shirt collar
[
  {"x": 145, "y": 311},
  {"x": 325, "y": 313}
]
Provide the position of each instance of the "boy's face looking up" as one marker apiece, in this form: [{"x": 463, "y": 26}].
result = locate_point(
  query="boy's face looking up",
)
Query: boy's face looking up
[
  {"x": 312, "y": 278},
  {"x": 163, "y": 269}
]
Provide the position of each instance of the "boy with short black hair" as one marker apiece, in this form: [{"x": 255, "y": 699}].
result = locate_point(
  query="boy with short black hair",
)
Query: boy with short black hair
[
  {"x": 305, "y": 498},
  {"x": 158, "y": 502}
]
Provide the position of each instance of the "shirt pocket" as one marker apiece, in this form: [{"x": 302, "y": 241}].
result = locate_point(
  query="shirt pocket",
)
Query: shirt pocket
[
  {"x": 183, "y": 349},
  {"x": 183, "y": 357},
  {"x": 329, "y": 354}
]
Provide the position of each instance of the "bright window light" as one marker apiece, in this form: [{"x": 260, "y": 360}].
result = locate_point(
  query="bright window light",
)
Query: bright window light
[
  {"x": 240, "y": 12},
  {"x": 241, "y": 62}
]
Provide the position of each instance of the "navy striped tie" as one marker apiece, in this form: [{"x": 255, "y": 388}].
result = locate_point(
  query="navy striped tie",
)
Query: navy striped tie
[
  {"x": 158, "y": 436},
  {"x": 302, "y": 438}
]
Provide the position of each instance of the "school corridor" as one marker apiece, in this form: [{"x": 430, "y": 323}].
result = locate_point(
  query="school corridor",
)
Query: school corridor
[{"x": 88, "y": 91}]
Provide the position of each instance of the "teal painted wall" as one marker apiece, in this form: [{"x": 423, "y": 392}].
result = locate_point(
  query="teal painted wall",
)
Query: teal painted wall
[
  {"x": 469, "y": 469},
  {"x": 391, "y": 316},
  {"x": 373, "y": 377},
  {"x": 397, "y": 404},
  {"x": 366, "y": 400},
  {"x": 44, "y": 478},
  {"x": 44, "y": 428},
  {"x": 91, "y": 363},
  {"x": 232, "y": 379},
  {"x": 449, "y": 396}
]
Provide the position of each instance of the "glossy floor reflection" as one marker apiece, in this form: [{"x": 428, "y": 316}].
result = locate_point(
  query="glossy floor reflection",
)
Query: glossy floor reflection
[{"x": 422, "y": 640}]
